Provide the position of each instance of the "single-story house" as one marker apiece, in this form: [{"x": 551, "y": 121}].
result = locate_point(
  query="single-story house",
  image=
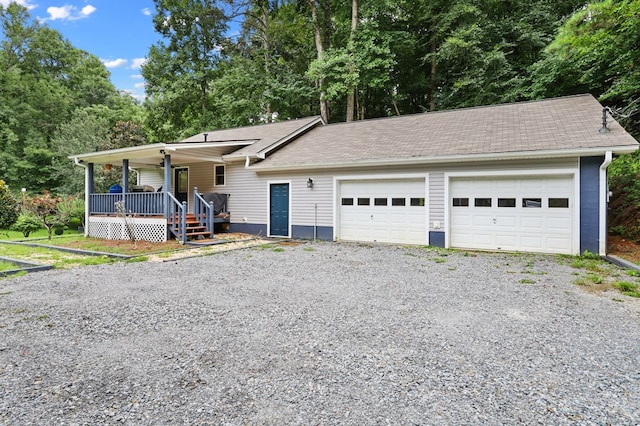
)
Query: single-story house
[{"x": 526, "y": 176}]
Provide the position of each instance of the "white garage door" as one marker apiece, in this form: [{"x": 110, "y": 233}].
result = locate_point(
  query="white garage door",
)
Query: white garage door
[
  {"x": 534, "y": 214},
  {"x": 391, "y": 211}
]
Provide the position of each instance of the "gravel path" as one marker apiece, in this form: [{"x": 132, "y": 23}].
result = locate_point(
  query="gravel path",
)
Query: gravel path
[{"x": 320, "y": 333}]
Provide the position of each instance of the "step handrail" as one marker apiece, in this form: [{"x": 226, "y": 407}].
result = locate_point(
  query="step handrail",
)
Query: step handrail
[
  {"x": 177, "y": 214},
  {"x": 203, "y": 211}
]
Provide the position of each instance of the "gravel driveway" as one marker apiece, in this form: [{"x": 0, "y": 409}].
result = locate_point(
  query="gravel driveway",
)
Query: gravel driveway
[{"x": 321, "y": 333}]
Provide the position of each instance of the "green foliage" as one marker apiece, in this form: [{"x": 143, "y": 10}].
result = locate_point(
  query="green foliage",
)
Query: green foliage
[
  {"x": 627, "y": 288},
  {"x": 9, "y": 209},
  {"x": 45, "y": 208},
  {"x": 26, "y": 224},
  {"x": 596, "y": 51},
  {"x": 44, "y": 80}
]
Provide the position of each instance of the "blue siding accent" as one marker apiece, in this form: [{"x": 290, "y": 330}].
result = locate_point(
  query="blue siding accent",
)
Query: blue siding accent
[
  {"x": 590, "y": 203},
  {"x": 324, "y": 233},
  {"x": 436, "y": 238},
  {"x": 249, "y": 228}
]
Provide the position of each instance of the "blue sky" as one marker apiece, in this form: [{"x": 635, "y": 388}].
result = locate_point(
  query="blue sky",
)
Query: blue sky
[{"x": 119, "y": 32}]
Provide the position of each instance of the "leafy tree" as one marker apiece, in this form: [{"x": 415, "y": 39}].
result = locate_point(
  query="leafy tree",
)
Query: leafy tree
[
  {"x": 43, "y": 81},
  {"x": 596, "y": 51},
  {"x": 45, "y": 207},
  {"x": 9, "y": 209},
  {"x": 185, "y": 64},
  {"x": 26, "y": 224}
]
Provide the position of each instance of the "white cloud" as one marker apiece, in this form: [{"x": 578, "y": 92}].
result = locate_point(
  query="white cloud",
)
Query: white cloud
[
  {"x": 68, "y": 12},
  {"x": 146, "y": 11},
  {"x": 136, "y": 63},
  {"x": 59, "y": 12},
  {"x": 139, "y": 85},
  {"x": 26, "y": 3},
  {"x": 136, "y": 76},
  {"x": 87, "y": 10},
  {"x": 116, "y": 63}
]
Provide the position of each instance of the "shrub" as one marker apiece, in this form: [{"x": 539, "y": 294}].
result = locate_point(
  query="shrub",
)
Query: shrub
[
  {"x": 9, "y": 209},
  {"x": 26, "y": 224}
]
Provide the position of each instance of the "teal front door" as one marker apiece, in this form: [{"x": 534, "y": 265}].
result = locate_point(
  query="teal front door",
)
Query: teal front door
[{"x": 279, "y": 209}]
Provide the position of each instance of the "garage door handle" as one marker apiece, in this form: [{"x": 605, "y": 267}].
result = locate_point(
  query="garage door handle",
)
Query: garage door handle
[
  {"x": 494, "y": 220},
  {"x": 371, "y": 217}
]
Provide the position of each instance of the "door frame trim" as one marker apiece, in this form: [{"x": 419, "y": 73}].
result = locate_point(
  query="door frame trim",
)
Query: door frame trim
[
  {"x": 278, "y": 182},
  {"x": 175, "y": 184}
]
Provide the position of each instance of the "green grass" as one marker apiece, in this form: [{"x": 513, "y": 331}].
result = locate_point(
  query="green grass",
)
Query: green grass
[
  {"x": 8, "y": 266},
  {"x": 308, "y": 249},
  {"x": 41, "y": 233},
  {"x": 439, "y": 259},
  {"x": 278, "y": 249},
  {"x": 625, "y": 286},
  {"x": 41, "y": 255},
  {"x": 527, "y": 281}
]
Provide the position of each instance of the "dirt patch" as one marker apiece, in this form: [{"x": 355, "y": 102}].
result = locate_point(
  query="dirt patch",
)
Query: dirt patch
[{"x": 625, "y": 249}]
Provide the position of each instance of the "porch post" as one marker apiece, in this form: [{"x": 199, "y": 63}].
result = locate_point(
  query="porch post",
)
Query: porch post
[
  {"x": 167, "y": 183},
  {"x": 88, "y": 190},
  {"x": 125, "y": 175}
]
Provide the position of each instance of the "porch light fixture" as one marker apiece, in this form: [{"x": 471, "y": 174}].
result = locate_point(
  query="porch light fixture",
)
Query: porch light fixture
[
  {"x": 162, "y": 151},
  {"x": 310, "y": 183},
  {"x": 107, "y": 167}
]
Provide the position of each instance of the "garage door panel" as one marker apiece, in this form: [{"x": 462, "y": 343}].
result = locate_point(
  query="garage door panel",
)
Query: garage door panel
[
  {"x": 532, "y": 223},
  {"x": 506, "y": 242},
  {"x": 559, "y": 224},
  {"x": 514, "y": 227},
  {"x": 482, "y": 222}
]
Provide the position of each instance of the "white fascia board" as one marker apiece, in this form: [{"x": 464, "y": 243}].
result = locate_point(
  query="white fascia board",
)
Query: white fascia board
[
  {"x": 204, "y": 145},
  {"x": 520, "y": 155},
  {"x": 262, "y": 154},
  {"x": 129, "y": 152}
]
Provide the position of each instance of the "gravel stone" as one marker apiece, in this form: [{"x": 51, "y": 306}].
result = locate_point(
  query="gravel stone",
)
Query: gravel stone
[{"x": 320, "y": 333}]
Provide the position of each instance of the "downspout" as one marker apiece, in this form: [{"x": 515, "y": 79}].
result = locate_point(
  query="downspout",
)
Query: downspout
[
  {"x": 604, "y": 201},
  {"x": 86, "y": 195}
]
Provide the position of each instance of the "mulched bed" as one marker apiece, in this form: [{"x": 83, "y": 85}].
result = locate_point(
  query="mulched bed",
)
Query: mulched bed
[{"x": 626, "y": 249}]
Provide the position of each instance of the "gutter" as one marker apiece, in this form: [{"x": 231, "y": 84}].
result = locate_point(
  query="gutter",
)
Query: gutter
[{"x": 604, "y": 201}]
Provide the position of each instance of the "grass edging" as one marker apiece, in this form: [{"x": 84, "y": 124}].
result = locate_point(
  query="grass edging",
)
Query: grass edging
[
  {"x": 25, "y": 267},
  {"x": 621, "y": 262},
  {"x": 72, "y": 250}
]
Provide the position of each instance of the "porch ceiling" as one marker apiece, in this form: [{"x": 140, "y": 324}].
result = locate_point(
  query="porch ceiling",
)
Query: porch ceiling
[{"x": 153, "y": 155}]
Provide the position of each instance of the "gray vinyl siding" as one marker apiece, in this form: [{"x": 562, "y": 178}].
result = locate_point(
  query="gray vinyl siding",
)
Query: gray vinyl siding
[
  {"x": 248, "y": 201},
  {"x": 436, "y": 200},
  {"x": 250, "y": 193}
]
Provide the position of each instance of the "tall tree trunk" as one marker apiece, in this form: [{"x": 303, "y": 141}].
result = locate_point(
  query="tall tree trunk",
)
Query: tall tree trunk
[
  {"x": 432, "y": 89},
  {"x": 324, "y": 108},
  {"x": 266, "y": 45},
  {"x": 351, "y": 94}
]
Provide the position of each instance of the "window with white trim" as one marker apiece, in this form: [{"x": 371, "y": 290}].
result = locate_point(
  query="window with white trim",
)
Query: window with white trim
[{"x": 219, "y": 178}]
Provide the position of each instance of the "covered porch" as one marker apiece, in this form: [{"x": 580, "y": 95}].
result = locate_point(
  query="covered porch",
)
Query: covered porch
[{"x": 173, "y": 209}]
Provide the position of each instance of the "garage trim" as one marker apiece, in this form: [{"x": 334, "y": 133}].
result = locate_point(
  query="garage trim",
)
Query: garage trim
[
  {"x": 337, "y": 180},
  {"x": 573, "y": 172}
]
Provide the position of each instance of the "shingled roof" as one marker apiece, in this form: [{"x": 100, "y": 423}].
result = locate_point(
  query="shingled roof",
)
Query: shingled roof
[
  {"x": 552, "y": 127},
  {"x": 263, "y": 136}
]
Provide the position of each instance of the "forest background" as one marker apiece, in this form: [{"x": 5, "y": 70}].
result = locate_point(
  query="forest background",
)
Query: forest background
[{"x": 342, "y": 59}]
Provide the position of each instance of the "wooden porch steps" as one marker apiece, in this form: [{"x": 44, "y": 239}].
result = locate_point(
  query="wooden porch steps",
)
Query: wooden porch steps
[{"x": 194, "y": 229}]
